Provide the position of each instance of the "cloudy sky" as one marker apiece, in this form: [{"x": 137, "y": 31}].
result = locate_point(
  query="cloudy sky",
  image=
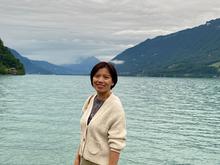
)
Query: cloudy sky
[{"x": 64, "y": 31}]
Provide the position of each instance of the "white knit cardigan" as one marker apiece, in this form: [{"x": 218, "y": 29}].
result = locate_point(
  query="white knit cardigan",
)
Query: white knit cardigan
[{"x": 106, "y": 131}]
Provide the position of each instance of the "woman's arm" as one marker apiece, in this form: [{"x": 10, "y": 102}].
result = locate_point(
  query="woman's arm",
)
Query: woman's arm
[
  {"x": 113, "y": 157},
  {"x": 77, "y": 159},
  {"x": 116, "y": 139}
]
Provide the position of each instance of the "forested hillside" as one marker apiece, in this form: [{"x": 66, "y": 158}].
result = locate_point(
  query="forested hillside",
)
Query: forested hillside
[
  {"x": 191, "y": 52},
  {"x": 8, "y": 63}
]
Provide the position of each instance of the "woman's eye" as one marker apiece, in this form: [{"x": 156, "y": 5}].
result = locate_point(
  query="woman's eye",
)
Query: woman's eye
[
  {"x": 97, "y": 76},
  {"x": 103, "y": 76},
  {"x": 106, "y": 77}
]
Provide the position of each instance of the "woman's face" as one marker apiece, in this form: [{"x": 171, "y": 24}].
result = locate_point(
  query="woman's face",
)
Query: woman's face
[{"x": 102, "y": 81}]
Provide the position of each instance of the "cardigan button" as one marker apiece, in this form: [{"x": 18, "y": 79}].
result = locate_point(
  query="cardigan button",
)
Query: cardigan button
[{"x": 84, "y": 139}]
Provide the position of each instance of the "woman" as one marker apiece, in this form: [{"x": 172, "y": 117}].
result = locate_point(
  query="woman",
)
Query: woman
[{"x": 103, "y": 128}]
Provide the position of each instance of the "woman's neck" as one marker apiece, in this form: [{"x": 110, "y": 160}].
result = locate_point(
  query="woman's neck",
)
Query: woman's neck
[{"x": 103, "y": 96}]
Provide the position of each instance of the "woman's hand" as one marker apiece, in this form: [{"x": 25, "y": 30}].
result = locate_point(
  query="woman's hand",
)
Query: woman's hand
[
  {"x": 77, "y": 160},
  {"x": 113, "y": 158}
]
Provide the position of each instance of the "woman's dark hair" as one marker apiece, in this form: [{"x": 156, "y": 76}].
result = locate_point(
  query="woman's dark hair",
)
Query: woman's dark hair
[{"x": 110, "y": 68}]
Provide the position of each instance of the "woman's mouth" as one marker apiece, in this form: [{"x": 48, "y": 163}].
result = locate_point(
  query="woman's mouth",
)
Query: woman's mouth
[{"x": 100, "y": 86}]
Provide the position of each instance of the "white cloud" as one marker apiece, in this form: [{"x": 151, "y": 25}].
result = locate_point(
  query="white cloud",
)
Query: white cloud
[
  {"x": 149, "y": 33},
  {"x": 117, "y": 62},
  {"x": 63, "y": 30}
]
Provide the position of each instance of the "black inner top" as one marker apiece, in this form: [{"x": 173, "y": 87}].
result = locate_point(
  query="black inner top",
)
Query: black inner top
[{"x": 96, "y": 106}]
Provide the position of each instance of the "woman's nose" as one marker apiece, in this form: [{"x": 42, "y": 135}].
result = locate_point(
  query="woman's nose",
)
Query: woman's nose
[{"x": 100, "y": 79}]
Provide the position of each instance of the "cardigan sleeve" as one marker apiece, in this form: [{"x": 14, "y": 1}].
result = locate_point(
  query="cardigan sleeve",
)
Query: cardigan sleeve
[{"x": 117, "y": 133}]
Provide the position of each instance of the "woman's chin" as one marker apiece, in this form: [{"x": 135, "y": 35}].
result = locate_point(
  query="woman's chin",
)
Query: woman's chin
[{"x": 101, "y": 91}]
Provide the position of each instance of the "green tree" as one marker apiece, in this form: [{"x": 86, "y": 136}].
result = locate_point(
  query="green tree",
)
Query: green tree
[{"x": 8, "y": 62}]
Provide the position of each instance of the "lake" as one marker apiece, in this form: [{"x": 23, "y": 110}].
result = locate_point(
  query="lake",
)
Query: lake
[{"x": 170, "y": 121}]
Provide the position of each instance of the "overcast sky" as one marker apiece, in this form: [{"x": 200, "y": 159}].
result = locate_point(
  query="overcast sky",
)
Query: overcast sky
[{"x": 63, "y": 31}]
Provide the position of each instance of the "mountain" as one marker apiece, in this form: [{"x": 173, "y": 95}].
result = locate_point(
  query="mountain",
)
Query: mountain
[
  {"x": 84, "y": 67},
  {"x": 30, "y": 67},
  {"x": 44, "y": 67},
  {"x": 191, "y": 52},
  {"x": 40, "y": 67},
  {"x": 8, "y": 63}
]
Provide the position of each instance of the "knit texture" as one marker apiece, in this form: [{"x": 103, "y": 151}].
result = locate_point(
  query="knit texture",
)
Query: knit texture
[{"x": 106, "y": 131}]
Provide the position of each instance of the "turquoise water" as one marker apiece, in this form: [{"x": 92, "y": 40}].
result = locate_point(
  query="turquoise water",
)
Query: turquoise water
[{"x": 170, "y": 121}]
